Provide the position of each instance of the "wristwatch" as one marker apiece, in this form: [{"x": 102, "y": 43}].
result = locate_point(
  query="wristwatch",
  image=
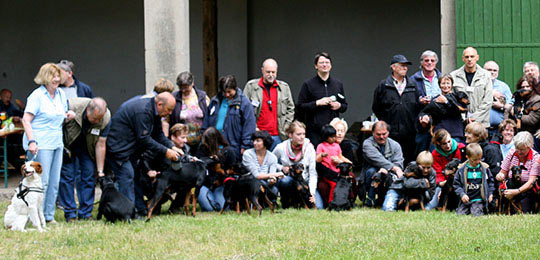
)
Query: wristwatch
[{"x": 32, "y": 141}]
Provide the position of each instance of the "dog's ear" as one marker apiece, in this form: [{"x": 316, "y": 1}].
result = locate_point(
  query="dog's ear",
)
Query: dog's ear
[
  {"x": 37, "y": 167},
  {"x": 22, "y": 169}
]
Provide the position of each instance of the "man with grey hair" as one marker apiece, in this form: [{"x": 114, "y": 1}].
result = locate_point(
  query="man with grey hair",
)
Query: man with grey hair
[
  {"x": 476, "y": 82},
  {"x": 272, "y": 101},
  {"x": 70, "y": 84},
  {"x": 530, "y": 68},
  {"x": 502, "y": 97},
  {"x": 396, "y": 101},
  {"x": 427, "y": 83},
  {"x": 84, "y": 140}
]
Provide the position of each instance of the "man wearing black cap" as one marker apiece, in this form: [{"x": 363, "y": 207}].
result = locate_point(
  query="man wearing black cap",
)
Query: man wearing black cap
[
  {"x": 396, "y": 101},
  {"x": 71, "y": 85}
]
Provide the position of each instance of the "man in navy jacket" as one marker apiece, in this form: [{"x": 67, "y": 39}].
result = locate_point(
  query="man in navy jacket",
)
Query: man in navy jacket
[
  {"x": 70, "y": 84},
  {"x": 135, "y": 128}
]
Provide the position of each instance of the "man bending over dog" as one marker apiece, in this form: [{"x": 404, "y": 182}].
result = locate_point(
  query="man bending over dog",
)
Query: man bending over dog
[
  {"x": 84, "y": 141},
  {"x": 136, "y": 128},
  {"x": 381, "y": 155}
]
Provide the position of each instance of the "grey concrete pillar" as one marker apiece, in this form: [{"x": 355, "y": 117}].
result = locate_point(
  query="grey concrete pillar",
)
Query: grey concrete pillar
[
  {"x": 448, "y": 35},
  {"x": 166, "y": 39}
]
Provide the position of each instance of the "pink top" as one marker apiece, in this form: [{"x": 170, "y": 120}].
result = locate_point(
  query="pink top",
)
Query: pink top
[
  {"x": 531, "y": 165},
  {"x": 332, "y": 150}
]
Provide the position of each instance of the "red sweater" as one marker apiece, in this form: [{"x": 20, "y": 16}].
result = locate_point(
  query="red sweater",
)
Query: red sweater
[
  {"x": 440, "y": 161},
  {"x": 267, "y": 120}
]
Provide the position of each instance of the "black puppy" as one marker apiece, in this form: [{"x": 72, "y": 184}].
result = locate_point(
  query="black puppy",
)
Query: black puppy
[
  {"x": 447, "y": 191},
  {"x": 508, "y": 206},
  {"x": 180, "y": 178},
  {"x": 342, "y": 191},
  {"x": 242, "y": 187},
  {"x": 300, "y": 195},
  {"x": 113, "y": 204},
  {"x": 457, "y": 104}
]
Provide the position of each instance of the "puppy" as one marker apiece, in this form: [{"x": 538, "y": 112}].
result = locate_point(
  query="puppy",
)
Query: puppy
[
  {"x": 447, "y": 191},
  {"x": 113, "y": 204},
  {"x": 180, "y": 178},
  {"x": 27, "y": 202},
  {"x": 300, "y": 195},
  {"x": 413, "y": 196},
  {"x": 508, "y": 206},
  {"x": 342, "y": 190},
  {"x": 457, "y": 103},
  {"x": 242, "y": 187}
]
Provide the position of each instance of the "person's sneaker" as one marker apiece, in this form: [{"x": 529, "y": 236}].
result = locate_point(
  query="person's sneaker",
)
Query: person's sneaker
[{"x": 51, "y": 222}]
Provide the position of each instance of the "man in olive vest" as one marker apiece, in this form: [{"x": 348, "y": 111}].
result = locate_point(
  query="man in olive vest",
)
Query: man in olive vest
[{"x": 84, "y": 140}]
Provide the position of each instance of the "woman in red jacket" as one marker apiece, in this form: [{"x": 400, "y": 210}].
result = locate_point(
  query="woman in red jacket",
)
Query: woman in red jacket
[{"x": 446, "y": 149}]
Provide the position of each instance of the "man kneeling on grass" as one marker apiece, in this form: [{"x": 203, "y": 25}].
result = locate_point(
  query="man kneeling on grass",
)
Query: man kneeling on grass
[{"x": 473, "y": 183}]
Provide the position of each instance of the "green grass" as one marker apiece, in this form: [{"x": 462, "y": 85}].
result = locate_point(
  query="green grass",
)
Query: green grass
[{"x": 288, "y": 234}]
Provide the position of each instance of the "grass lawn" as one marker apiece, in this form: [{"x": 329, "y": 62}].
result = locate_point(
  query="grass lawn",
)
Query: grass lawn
[{"x": 288, "y": 234}]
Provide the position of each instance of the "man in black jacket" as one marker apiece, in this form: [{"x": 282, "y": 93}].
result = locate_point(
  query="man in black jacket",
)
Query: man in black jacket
[
  {"x": 136, "y": 128},
  {"x": 321, "y": 98},
  {"x": 396, "y": 101}
]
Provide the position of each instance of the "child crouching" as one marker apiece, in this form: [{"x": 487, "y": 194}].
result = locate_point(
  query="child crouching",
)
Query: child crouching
[{"x": 473, "y": 183}]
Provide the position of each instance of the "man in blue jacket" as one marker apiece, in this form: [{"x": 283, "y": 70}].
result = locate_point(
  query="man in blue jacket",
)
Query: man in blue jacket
[
  {"x": 136, "y": 128},
  {"x": 70, "y": 84}
]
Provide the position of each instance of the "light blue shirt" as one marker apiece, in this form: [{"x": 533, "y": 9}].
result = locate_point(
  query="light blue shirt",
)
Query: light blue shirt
[
  {"x": 49, "y": 114},
  {"x": 505, "y": 148},
  {"x": 432, "y": 87},
  {"x": 497, "y": 116},
  {"x": 269, "y": 165},
  {"x": 222, "y": 114}
]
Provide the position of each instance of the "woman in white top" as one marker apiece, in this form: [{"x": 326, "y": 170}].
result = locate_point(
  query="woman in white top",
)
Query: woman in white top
[{"x": 297, "y": 149}]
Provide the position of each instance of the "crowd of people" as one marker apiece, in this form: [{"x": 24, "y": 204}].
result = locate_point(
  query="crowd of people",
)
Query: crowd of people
[{"x": 425, "y": 124}]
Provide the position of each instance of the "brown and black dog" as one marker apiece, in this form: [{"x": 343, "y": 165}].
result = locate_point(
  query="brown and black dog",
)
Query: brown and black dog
[
  {"x": 299, "y": 196},
  {"x": 241, "y": 187},
  {"x": 448, "y": 196},
  {"x": 508, "y": 206}
]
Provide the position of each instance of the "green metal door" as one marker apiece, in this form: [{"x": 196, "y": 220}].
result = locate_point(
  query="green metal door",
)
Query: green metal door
[{"x": 506, "y": 31}]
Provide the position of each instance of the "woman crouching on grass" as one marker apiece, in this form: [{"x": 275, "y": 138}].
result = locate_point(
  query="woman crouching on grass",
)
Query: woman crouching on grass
[
  {"x": 297, "y": 149},
  {"x": 262, "y": 163},
  {"x": 522, "y": 155}
]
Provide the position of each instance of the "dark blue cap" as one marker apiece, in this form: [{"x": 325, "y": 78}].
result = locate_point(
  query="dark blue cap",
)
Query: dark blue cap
[{"x": 400, "y": 59}]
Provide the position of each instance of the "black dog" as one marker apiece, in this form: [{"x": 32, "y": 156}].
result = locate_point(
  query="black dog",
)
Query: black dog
[
  {"x": 447, "y": 191},
  {"x": 508, "y": 206},
  {"x": 300, "y": 195},
  {"x": 242, "y": 187},
  {"x": 180, "y": 178},
  {"x": 342, "y": 191},
  {"x": 413, "y": 196},
  {"x": 113, "y": 204}
]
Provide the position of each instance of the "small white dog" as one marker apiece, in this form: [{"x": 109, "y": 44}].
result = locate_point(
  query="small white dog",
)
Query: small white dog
[{"x": 27, "y": 202}]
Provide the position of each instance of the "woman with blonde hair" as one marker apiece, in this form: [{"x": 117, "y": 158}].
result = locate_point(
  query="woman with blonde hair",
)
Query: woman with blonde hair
[{"x": 46, "y": 110}]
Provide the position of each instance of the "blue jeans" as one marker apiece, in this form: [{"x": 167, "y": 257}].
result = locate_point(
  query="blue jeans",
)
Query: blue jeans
[
  {"x": 286, "y": 184},
  {"x": 422, "y": 140},
  {"x": 277, "y": 140},
  {"x": 370, "y": 202},
  {"x": 435, "y": 200},
  {"x": 79, "y": 172},
  {"x": 124, "y": 178},
  {"x": 207, "y": 198},
  {"x": 391, "y": 200},
  {"x": 51, "y": 163}
]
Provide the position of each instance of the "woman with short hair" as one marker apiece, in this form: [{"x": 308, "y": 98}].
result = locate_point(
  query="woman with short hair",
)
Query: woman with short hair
[
  {"x": 507, "y": 131},
  {"x": 524, "y": 156},
  {"x": 45, "y": 112}
]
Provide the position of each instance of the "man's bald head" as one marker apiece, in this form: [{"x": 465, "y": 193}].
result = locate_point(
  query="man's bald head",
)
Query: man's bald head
[
  {"x": 470, "y": 58},
  {"x": 96, "y": 109},
  {"x": 269, "y": 71},
  {"x": 165, "y": 103},
  {"x": 493, "y": 68}
]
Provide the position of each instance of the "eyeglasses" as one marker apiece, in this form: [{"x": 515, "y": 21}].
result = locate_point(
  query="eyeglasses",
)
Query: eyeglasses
[
  {"x": 430, "y": 60},
  {"x": 494, "y": 70}
]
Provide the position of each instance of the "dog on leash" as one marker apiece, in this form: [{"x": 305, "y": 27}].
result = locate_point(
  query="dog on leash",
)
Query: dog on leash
[
  {"x": 342, "y": 191},
  {"x": 241, "y": 186},
  {"x": 507, "y": 206},
  {"x": 27, "y": 202},
  {"x": 113, "y": 204}
]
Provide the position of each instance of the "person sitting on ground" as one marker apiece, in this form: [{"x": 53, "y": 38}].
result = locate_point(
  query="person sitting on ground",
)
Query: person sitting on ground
[
  {"x": 329, "y": 155},
  {"x": 446, "y": 149},
  {"x": 476, "y": 132},
  {"x": 178, "y": 135},
  {"x": 473, "y": 183},
  {"x": 381, "y": 154},
  {"x": 522, "y": 155},
  {"x": 297, "y": 149},
  {"x": 263, "y": 163},
  {"x": 213, "y": 145},
  {"x": 507, "y": 131},
  {"x": 419, "y": 177}
]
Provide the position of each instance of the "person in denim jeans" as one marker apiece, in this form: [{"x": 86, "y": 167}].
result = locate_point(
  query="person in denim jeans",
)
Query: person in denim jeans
[{"x": 42, "y": 120}]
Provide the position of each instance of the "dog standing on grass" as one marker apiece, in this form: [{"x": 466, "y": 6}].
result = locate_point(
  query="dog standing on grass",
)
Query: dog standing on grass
[{"x": 27, "y": 202}]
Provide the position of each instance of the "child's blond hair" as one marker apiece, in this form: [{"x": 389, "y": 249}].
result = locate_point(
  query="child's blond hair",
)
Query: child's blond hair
[{"x": 424, "y": 157}]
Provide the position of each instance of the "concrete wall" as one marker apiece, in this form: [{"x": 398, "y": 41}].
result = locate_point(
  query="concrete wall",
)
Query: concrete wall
[
  {"x": 105, "y": 40},
  {"x": 361, "y": 37}
]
